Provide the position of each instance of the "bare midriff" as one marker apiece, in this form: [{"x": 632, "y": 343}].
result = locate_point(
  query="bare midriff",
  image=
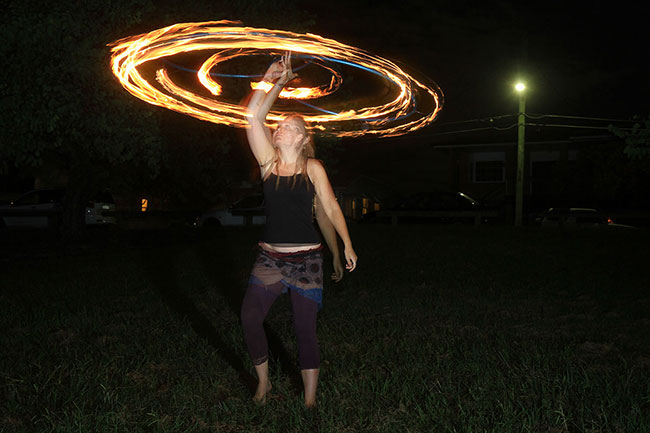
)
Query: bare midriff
[{"x": 287, "y": 248}]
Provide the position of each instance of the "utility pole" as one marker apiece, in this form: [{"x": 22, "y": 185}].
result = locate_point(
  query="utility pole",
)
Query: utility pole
[{"x": 521, "y": 135}]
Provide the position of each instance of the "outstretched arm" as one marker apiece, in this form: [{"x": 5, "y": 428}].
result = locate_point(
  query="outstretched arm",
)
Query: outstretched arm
[
  {"x": 325, "y": 193},
  {"x": 259, "y": 136},
  {"x": 329, "y": 233}
]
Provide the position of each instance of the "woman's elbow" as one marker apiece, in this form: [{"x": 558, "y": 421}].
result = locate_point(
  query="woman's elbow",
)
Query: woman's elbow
[
  {"x": 254, "y": 121},
  {"x": 330, "y": 211},
  {"x": 252, "y": 113},
  {"x": 321, "y": 215}
]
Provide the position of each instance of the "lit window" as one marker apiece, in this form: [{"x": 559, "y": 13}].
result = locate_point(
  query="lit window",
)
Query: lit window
[{"x": 145, "y": 203}]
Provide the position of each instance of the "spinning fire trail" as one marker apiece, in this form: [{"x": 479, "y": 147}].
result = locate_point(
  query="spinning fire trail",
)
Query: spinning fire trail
[{"x": 401, "y": 105}]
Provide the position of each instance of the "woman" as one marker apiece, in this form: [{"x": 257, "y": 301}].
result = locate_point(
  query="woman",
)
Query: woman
[{"x": 290, "y": 258}]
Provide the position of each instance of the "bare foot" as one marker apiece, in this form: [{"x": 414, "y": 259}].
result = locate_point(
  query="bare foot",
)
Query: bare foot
[
  {"x": 310, "y": 404},
  {"x": 262, "y": 390}
]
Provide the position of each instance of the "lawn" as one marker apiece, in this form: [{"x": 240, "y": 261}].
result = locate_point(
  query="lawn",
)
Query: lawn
[{"x": 440, "y": 329}]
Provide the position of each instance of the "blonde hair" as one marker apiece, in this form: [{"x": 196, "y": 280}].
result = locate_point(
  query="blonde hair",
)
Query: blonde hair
[{"x": 308, "y": 151}]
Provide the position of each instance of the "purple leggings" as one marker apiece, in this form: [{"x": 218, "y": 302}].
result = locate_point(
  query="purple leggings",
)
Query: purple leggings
[{"x": 256, "y": 305}]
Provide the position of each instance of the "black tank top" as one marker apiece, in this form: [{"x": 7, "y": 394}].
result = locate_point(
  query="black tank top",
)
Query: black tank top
[{"x": 289, "y": 211}]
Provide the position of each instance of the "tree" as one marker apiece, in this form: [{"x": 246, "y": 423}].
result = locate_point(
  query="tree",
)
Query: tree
[
  {"x": 62, "y": 108},
  {"x": 637, "y": 139}
]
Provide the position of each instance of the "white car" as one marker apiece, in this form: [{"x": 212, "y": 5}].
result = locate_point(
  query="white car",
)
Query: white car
[
  {"x": 41, "y": 208},
  {"x": 101, "y": 210},
  {"x": 247, "y": 211}
]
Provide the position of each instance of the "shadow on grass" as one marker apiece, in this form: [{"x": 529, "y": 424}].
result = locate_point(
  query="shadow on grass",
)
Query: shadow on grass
[
  {"x": 159, "y": 261},
  {"x": 221, "y": 271}
]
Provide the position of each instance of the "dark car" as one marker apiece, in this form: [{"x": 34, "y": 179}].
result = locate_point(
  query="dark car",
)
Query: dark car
[
  {"x": 576, "y": 217},
  {"x": 41, "y": 208},
  {"x": 432, "y": 207},
  {"x": 247, "y": 211}
]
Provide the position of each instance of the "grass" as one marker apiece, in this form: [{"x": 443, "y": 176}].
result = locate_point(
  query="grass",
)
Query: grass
[{"x": 440, "y": 329}]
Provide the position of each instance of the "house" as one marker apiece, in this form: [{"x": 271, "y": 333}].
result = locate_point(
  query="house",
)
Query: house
[
  {"x": 561, "y": 169},
  {"x": 363, "y": 194}
]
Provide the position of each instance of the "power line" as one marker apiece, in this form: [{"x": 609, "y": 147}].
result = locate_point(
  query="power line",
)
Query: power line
[
  {"x": 531, "y": 124},
  {"x": 537, "y": 116},
  {"x": 555, "y": 125},
  {"x": 485, "y": 119},
  {"x": 532, "y": 116},
  {"x": 601, "y": 119},
  {"x": 550, "y": 125},
  {"x": 474, "y": 129}
]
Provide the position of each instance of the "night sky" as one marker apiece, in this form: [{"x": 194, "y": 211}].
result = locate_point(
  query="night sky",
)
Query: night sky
[
  {"x": 577, "y": 58},
  {"x": 584, "y": 60}
]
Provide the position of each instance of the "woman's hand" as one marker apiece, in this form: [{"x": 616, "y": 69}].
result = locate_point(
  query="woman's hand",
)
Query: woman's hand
[
  {"x": 338, "y": 269},
  {"x": 281, "y": 70},
  {"x": 287, "y": 73},
  {"x": 274, "y": 72},
  {"x": 350, "y": 258}
]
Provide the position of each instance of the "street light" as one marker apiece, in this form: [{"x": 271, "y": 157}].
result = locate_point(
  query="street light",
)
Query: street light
[{"x": 521, "y": 133}]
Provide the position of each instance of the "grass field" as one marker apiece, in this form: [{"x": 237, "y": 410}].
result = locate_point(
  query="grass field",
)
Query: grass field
[{"x": 440, "y": 329}]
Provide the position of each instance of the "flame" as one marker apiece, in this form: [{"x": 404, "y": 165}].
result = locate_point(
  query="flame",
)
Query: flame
[
  {"x": 291, "y": 93},
  {"x": 415, "y": 105}
]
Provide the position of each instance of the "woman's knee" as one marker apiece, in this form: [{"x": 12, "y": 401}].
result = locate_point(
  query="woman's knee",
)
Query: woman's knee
[
  {"x": 305, "y": 328},
  {"x": 250, "y": 309},
  {"x": 249, "y": 316},
  {"x": 256, "y": 303}
]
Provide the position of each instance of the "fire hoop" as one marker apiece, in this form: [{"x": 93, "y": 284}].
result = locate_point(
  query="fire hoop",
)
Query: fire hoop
[{"x": 403, "y": 104}]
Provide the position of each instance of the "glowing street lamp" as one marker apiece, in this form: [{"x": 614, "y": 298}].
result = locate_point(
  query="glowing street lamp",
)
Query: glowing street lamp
[{"x": 521, "y": 132}]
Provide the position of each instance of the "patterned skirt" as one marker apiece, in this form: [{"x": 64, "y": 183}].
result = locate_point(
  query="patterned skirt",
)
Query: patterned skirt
[{"x": 300, "y": 271}]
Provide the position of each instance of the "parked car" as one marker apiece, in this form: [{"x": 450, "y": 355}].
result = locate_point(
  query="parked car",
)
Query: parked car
[
  {"x": 575, "y": 217},
  {"x": 247, "y": 211},
  {"x": 101, "y": 210},
  {"x": 431, "y": 207},
  {"x": 41, "y": 208}
]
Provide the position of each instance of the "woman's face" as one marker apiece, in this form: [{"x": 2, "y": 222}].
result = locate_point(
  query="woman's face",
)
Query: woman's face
[{"x": 289, "y": 132}]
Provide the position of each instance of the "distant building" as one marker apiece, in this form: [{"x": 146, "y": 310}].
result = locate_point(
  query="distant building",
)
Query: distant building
[
  {"x": 363, "y": 194},
  {"x": 560, "y": 170}
]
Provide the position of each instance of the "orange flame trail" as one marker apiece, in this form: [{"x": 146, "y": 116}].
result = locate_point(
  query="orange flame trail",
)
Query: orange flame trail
[{"x": 412, "y": 104}]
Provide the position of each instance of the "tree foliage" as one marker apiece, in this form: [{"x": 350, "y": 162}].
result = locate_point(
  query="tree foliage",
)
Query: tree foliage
[
  {"x": 62, "y": 103},
  {"x": 63, "y": 110},
  {"x": 637, "y": 139}
]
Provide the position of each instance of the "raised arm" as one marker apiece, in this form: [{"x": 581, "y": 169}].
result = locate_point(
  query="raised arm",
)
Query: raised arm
[
  {"x": 329, "y": 233},
  {"x": 259, "y": 136},
  {"x": 325, "y": 194}
]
